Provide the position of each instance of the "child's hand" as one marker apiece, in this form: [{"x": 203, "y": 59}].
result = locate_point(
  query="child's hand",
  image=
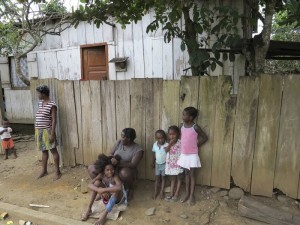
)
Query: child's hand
[
  {"x": 114, "y": 161},
  {"x": 153, "y": 165},
  {"x": 52, "y": 138}
]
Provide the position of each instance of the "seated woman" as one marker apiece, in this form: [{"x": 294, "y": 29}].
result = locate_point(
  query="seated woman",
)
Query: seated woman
[
  {"x": 106, "y": 184},
  {"x": 131, "y": 154}
]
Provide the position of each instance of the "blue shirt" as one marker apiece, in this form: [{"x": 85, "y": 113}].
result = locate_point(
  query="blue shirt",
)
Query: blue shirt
[{"x": 160, "y": 153}]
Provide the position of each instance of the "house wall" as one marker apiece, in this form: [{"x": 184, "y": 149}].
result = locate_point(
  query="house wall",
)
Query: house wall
[{"x": 149, "y": 56}]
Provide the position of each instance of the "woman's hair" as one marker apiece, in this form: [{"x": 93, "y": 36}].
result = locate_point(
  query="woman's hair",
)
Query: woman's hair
[
  {"x": 43, "y": 89},
  {"x": 162, "y": 132},
  {"x": 129, "y": 133},
  {"x": 191, "y": 111},
  {"x": 174, "y": 128},
  {"x": 103, "y": 161}
]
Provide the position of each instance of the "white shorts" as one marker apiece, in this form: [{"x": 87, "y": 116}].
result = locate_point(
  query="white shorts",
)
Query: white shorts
[{"x": 188, "y": 161}]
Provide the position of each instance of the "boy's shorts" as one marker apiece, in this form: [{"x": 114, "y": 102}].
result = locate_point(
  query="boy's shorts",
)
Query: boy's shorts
[
  {"x": 42, "y": 139},
  {"x": 8, "y": 144},
  {"x": 160, "y": 169}
]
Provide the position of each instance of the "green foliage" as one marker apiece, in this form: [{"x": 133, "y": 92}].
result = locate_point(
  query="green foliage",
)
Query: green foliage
[
  {"x": 53, "y": 6},
  {"x": 195, "y": 24}
]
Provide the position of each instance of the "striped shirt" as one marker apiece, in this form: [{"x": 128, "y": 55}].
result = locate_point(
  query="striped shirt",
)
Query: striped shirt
[{"x": 43, "y": 118}]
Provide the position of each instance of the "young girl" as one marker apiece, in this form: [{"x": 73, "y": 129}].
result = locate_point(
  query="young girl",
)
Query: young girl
[
  {"x": 192, "y": 137},
  {"x": 172, "y": 168},
  {"x": 159, "y": 162},
  {"x": 108, "y": 185}
]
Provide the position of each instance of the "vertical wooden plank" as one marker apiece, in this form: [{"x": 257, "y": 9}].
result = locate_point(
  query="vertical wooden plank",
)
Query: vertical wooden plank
[
  {"x": 107, "y": 32},
  {"x": 98, "y": 34},
  {"x": 129, "y": 51},
  {"x": 288, "y": 155},
  {"x": 91, "y": 120},
  {"x": 112, "y": 74},
  {"x": 89, "y": 33},
  {"x": 207, "y": 111},
  {"x": 223, "y": 136},
  {"x": 120, "y": 48},
  {"x": 188, "y": 94},
  {"x": 78, "y": 151},
  {"x": 138, "y": 50},
  {"x": 71, "y": 120},
  {"x": 149, "y": 126},
  {"x": 122, "y": 105},
  {"x": 147, "y": 42},
  {"x": 244, "y": 132},
  {"x": 266, "y": 135},
  {"x": 65, "y": 42},
  {"x": 167, "y": 60},
  {"x": 80, "y": 33},
  {"x": 157, "y": 57},
  {"x": 108, "y": 102},
  {"x": 137, "y": 120},
  {"x": 153, "y": 118},
  {"x": 170, "y": 107}
]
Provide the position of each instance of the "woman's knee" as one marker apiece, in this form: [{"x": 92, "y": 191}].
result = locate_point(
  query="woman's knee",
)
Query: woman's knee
[{"x": 127, "y": 175}]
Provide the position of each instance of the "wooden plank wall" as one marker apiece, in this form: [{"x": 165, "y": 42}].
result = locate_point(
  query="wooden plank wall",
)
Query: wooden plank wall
[{"x": 253, "y": 136}]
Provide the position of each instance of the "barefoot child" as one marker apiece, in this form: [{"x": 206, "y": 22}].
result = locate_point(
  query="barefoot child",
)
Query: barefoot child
[
  {"x": 159, "y": 162},
  {"x": 108, "y": 185},
  {"x": 192, "y": 137},
  {"x": 172, "y": 168},
  {"x": 7, "y": 141}
]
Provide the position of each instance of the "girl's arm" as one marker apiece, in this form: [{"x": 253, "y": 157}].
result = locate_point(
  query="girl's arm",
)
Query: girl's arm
[
  {"x": 4, "y": 130},
  {"x": 98, "y": 177},
  {"x": 170, "y": 145},
  {"x": 100, "y": 190},
  {"x": 202, "y": 137},
  {"x": 134, "y": 162}
]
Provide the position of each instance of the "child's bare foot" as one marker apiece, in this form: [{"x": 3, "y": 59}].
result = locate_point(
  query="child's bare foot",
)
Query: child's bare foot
[
  {"x": 101, "y": 221},
  {"x": 185, "y": 198},
  {"x": 42, "y": 175},
  {"x": 15, "y": 156},
  {"x": 161, "y": 195},
  {"x": 5, "y": 158},
  {"x": 57, "y": 176},
  {"x": 154, "y": 196},
  {"x": 86, "y": 215},
  {"x": 191, "y": 201}
]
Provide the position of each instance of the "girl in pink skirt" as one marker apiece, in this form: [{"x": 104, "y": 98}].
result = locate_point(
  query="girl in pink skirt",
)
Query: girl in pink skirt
[{"x": 192, "y": 137}]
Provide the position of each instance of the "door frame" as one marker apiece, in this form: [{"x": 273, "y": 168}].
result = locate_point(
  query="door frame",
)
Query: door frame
[{"x": 92, "y": 46}]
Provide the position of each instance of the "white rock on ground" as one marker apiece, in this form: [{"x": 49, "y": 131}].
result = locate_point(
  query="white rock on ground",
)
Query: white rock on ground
[{"x": 150, "y": 211}]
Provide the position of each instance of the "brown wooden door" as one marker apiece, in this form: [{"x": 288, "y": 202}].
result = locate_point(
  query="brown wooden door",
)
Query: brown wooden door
[{"x": 94, "y": 63}]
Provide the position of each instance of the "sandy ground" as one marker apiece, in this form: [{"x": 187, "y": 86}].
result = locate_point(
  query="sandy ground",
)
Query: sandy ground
[{"x": 19, "y": 186}]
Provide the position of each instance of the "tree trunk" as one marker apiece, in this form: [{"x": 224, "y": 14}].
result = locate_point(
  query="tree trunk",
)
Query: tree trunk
[
  {"x": 191, "y": 34},
  {"x": 262, "y": 41},
  {"x": 19, "y": 71}
]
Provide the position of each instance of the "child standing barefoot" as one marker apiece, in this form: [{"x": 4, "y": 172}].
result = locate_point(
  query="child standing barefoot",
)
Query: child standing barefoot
[
  {"x": 172, "y": 169},
  {"x": 159, "y": 162},
  {"x": 108, "y": 185},
  {"x": 7, "y": 141},
  {"x": 192, "y": 137}
]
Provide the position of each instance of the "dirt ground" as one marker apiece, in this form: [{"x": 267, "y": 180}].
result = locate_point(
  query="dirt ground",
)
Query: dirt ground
[{"x": 18, "y": 185}]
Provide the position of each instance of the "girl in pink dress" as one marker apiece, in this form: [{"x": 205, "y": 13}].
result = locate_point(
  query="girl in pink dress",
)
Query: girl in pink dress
[
  {"x": 172, "y": 168},
  {"x": 192, "y": 137}
]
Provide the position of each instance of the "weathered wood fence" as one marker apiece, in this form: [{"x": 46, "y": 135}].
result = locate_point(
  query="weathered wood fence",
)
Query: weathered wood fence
[{"x": 253, "y": 137}]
